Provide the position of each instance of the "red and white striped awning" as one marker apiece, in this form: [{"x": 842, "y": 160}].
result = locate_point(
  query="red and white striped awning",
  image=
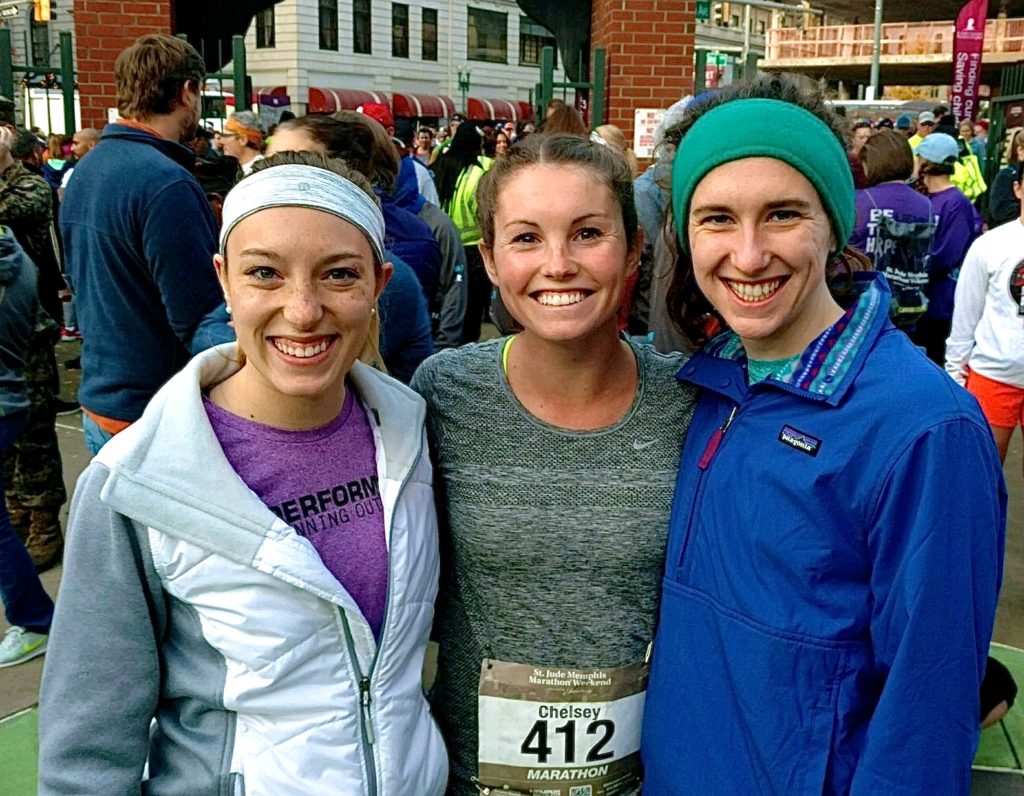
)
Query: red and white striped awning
[
  {"x": 329, "y": 100},
  {"x": 420, "y": 105},
  {"x": 485, "y": 109}
]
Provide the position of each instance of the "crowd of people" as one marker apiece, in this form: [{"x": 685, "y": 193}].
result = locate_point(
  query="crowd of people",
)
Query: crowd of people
[{"x": 703, "y": 517}]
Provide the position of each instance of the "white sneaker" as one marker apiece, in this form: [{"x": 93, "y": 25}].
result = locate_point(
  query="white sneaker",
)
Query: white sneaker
[{"x": 20, "y": 645}]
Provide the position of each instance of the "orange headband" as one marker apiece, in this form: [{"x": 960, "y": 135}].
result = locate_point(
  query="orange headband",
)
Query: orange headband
[{"x": 251, "y": 134}]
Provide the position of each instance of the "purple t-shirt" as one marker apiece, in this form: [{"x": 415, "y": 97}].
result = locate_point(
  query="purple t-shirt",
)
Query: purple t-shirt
[
  {"x": 322, "y": 482},
  {"x": 958, "y": 224},
  {"x": 895, "y": 199}
]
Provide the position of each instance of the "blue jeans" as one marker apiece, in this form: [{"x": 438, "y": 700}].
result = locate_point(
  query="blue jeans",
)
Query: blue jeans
[
  {"x": 25, "y": 601},
  {"x": 95, "y": 437}
]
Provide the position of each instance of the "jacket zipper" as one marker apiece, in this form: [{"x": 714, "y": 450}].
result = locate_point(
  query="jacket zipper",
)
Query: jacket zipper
[
  {"x": 714, "y": 443},
  {"x": 716, "y": 439},
  {"x": 365, "y": 721},
  {"x": 363, "y": 681}
]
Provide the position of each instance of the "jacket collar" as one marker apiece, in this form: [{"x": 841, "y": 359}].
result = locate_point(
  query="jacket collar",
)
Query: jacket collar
[
  {"x": 827, "y": 367},
  {"x": 163, "y": 466},
  {"x": 179, "y": 153}
]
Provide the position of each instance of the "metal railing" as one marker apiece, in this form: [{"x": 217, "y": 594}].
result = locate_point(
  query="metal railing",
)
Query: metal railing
[{"x": 898, "y": 39}]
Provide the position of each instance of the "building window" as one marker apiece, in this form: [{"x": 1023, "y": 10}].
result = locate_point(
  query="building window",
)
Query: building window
[
  {"x": 429, "y": 34},
  {"x": 532, "y": 39},
  {"x": 265, "y": 28},
  {"x": 40, "y": 43},
  {"x": 734, "y": 20},
  {"x": 328, "y": 24},
  {"x": 361, "y": 27},
  {"x": 399, "y": 30},
  {"x": 761, "y": 27},
  {"x": 486, "y": 36}
]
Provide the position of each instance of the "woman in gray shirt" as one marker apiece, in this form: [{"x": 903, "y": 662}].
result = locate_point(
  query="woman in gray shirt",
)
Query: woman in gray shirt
[{"x": 557, "y": 452}]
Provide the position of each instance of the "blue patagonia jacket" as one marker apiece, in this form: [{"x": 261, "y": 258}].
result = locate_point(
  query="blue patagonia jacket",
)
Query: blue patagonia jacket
[{"x": 833, "y": 565}]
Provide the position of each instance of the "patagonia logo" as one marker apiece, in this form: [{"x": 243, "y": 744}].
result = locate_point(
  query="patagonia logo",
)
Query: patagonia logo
[{"x": 799, "y": 440}]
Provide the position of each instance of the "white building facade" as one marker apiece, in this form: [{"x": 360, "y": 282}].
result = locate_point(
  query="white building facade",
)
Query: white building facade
[
  {"x": 35, "y": 44},
  {"x": 329, "y": 54}
]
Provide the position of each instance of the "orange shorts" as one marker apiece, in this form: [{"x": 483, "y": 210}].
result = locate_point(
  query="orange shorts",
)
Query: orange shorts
[{"x": 1003, "y": 404}]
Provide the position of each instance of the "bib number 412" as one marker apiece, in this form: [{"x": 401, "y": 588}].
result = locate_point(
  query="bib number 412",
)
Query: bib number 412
[{"x": 598, "y": 734}]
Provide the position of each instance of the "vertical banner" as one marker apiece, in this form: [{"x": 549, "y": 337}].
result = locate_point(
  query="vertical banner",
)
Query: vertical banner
[{"x": 968, "y": 44}]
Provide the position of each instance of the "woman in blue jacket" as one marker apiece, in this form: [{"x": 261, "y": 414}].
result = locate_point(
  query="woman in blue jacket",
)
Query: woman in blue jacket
[{"x": 837, "y": 531}]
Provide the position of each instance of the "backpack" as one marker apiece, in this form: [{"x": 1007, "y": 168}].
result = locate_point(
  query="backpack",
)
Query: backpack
[{"x": 902, "y": 252}]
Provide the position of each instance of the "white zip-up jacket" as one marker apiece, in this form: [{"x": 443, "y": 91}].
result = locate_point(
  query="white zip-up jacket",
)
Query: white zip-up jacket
[
  {"x": 988, "y": 309},
  {"x": 186, "y": 600}
]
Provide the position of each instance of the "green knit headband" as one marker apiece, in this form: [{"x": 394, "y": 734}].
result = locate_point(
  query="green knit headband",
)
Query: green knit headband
[{"x": 765, "y": 128}]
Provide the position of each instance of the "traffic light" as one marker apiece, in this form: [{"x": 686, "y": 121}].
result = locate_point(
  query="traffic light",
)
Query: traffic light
[{"x": 43, "y": 10}]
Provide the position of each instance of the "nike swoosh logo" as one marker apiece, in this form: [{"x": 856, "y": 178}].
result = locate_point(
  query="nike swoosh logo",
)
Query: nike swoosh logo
[{"x": 639, "y": 446}]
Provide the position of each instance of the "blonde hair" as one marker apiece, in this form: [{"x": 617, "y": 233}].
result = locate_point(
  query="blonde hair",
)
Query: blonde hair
[{"x": 615, "y": 138}]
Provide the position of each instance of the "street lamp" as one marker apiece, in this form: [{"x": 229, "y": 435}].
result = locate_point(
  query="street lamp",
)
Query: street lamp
[
  {"x": 876, "y": 54},
  {"x": 463, "y": 85}
]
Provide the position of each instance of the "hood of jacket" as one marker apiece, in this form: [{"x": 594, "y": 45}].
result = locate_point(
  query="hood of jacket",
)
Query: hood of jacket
[{"x": 407, "y": 187}]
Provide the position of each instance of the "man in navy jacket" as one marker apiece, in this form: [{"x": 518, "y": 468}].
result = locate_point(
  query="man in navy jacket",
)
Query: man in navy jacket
[{"x": 139, "y": 238}]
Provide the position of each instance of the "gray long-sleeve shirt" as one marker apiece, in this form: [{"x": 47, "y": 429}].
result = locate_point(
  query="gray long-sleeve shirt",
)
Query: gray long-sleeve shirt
[{"x": 552, "y": 541}]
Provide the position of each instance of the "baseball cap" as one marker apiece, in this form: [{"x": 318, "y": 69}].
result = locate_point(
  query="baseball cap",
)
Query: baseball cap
[
  {"x": 379, "y": 112},
  {"x": 457, "y": 117},
  {"x": 884, "y": 124},
  {"x": 938, "y": 148},
  {"x": 926, "y": 117},
  {"x": 903, "y": 123}
]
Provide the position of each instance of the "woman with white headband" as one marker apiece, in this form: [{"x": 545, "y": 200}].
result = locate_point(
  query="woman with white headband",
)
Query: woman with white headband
[{"x": 252, "y": 566}]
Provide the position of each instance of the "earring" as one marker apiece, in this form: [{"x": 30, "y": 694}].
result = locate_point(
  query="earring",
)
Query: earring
[
  {"x": 227, "y": 307},
  {"x": 373, "y": 310}
]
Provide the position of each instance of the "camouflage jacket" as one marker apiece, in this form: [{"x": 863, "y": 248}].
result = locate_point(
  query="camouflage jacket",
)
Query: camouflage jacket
[{"x": 26, "y": 206}]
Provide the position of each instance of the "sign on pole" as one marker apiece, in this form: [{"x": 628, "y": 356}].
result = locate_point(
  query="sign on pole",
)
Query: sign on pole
[
  {"x": 9, "y": 11},
  {"x": 703, "y": 10},
  {"x": 645, "y": 122},
  {"x": 968, "y": 45}
]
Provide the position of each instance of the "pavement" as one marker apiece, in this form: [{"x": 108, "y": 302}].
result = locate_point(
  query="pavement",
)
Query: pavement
[{"x": 19, "y": 685}]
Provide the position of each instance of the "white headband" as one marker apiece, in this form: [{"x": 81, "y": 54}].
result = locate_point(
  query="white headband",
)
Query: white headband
[{"x": 295, "y": 185}]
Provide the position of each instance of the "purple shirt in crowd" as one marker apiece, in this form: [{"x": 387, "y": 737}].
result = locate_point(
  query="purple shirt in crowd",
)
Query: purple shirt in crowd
[
  {"x": 322, "y": 482},
  {"x": 957, "y": 225},
  {"x": 895, "y": 199}
]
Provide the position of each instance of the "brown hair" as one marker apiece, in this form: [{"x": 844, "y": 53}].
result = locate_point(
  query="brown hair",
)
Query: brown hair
[
  {"x": 55, "y": 145},
  {"x": 370, "y": 353},
  {"x": 559, "y": 149},
  {"x": 150, "y": 74},
  {"x": 930, "y": 169},
  {"x": 563, "y": 119},
  {"x": 886, "y": 156},
  {"x": 1016, "y": 141},
  {"x": 357, "y": 139}
]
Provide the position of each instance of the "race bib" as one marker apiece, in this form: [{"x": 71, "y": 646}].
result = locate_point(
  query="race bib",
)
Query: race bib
[{"x": 548, "y": 731}]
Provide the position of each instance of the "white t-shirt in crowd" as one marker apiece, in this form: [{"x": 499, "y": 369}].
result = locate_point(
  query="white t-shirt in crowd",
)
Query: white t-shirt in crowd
[{"x": 988, "y": 309}]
